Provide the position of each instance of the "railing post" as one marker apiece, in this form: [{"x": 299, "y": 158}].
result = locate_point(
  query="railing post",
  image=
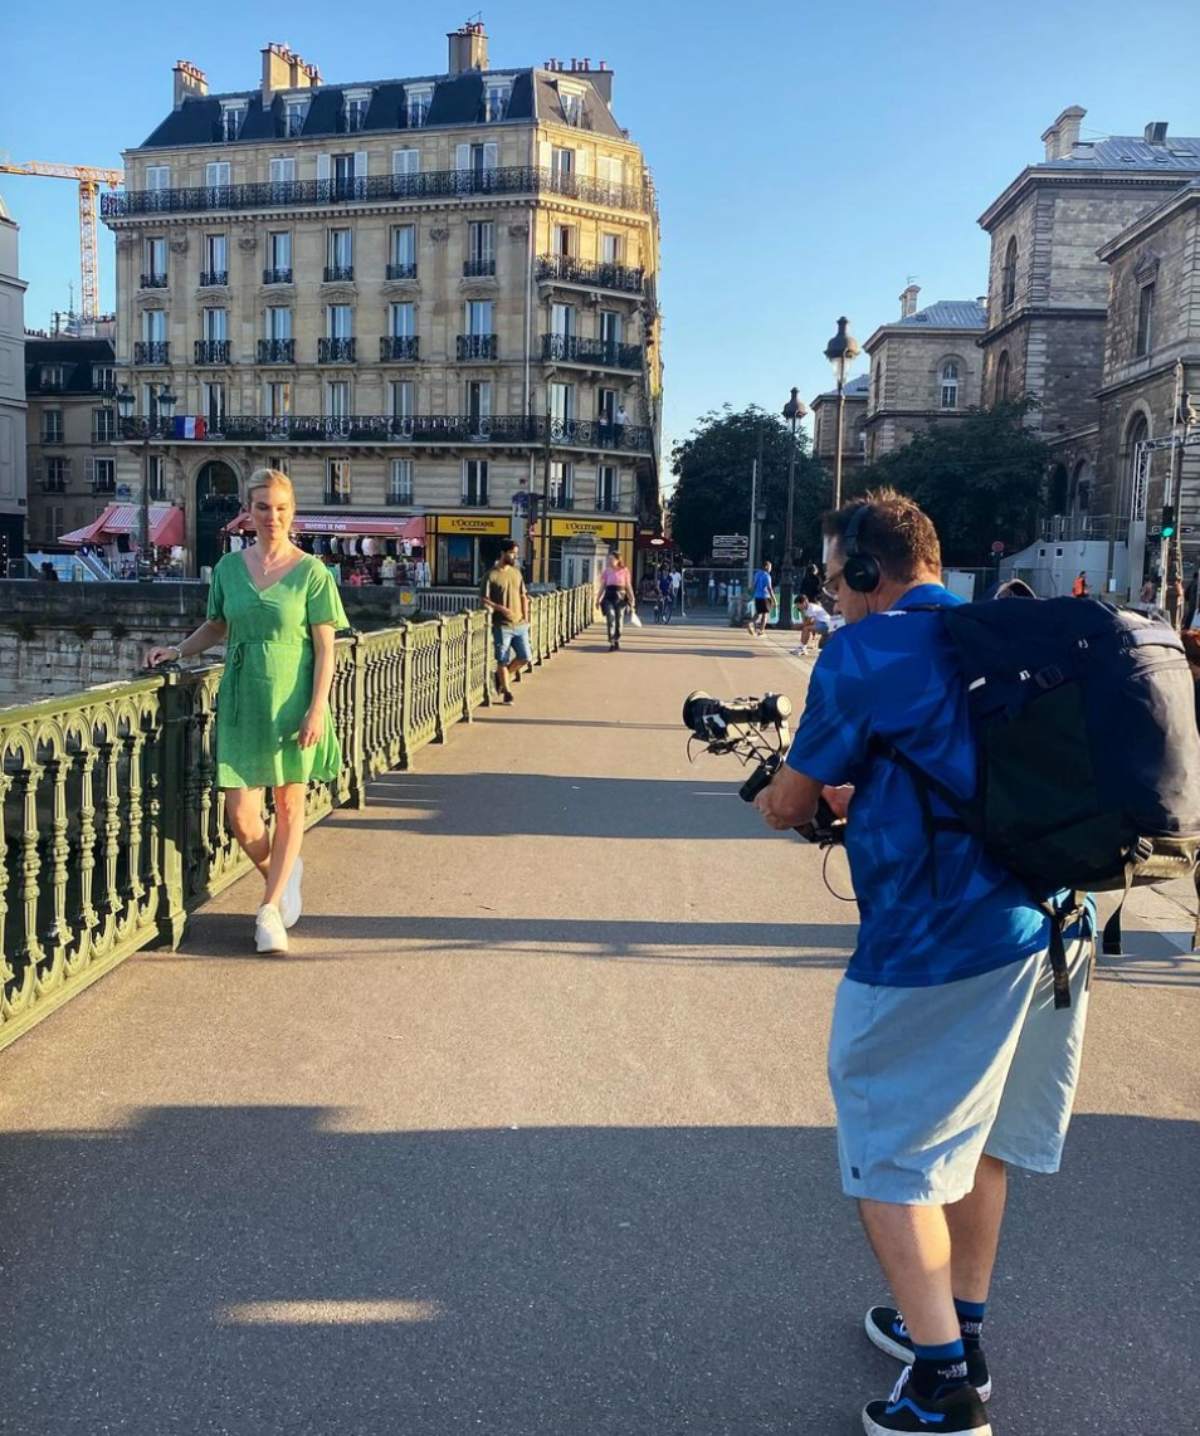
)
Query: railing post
[
  {"x": 468, "y": 669},
  {"x": 175, "y": 704},
  {"x": 358, "y": 740},
  {"x": 406, "y": 687},
  {"x": 439, "y": 735}
]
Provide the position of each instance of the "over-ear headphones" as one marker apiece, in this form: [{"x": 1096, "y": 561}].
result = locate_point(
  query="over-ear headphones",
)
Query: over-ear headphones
[{"x": 860, "y": 571}]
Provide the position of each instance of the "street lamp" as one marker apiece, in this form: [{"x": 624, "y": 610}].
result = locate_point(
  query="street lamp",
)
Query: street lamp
[
  {"x": 794, "y": 410},
  {"x": 145, "y": 429},
  {"x": 841, "y": 350}
]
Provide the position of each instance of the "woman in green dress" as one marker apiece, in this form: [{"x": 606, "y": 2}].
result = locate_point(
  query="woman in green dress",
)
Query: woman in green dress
[{"x": 278, "y": 609}]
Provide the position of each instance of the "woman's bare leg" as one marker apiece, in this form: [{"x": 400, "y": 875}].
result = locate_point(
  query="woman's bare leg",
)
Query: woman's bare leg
[
  {"x": 289, "y": 834},
  {"x": 244, "y": 808}
]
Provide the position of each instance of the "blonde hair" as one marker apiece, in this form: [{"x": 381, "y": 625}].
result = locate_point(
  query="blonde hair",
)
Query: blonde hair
[{"x": 269, "y": 479}]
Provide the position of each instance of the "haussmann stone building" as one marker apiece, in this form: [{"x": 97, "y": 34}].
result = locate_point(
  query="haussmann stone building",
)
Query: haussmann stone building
[{"x": 426, "y": 299}]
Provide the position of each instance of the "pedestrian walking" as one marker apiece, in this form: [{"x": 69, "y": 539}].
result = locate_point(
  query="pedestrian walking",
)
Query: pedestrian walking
[
  {"x": 505, "y": 596},
  {"x": 712, "y": 590},
  {"x": 677, "y": 590},
  {"x": 665, "y": 598},
  {"x": 614, "y": 597},
  {"x": 764, "y": 598},
  {"x": 948, "y": 1058},
  {"x": 278, "y": 609},
  {"x": 1080, "y": 589}
]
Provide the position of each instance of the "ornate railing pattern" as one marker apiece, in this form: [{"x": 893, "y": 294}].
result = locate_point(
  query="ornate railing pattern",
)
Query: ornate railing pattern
[{"x": 112, "y": 826}]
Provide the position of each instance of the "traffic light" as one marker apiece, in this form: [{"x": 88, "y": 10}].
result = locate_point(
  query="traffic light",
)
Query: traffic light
[{"x": 1168, "y": 521}]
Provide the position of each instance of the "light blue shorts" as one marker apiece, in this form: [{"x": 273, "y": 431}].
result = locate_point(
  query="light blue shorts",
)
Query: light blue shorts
[
  {"x": 928, "y": 1079},
  {"x": 509, "y": 644}
]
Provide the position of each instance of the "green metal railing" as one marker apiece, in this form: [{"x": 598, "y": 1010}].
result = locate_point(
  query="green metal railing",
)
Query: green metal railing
[{"x": 112, "y": 827}]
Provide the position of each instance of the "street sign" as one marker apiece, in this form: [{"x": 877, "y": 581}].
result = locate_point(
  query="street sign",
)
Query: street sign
[
  {"x": 725, "y": 540},
  {"x": 998, "y": 546}
]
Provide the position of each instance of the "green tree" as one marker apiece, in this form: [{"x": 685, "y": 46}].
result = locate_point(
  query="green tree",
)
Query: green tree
[
  {"x": 712, "y": 469},
  {"x": 979, "y": 479}
]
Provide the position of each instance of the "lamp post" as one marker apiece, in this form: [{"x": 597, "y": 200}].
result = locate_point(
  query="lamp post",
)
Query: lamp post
[
  {"x": 145, "y": 429},
  {"x": 841, "y": 350},
  {"x": 794, "y": 410}
]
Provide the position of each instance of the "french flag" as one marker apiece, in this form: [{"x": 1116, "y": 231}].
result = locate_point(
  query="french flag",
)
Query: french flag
[{"x": 190, "y": 426}]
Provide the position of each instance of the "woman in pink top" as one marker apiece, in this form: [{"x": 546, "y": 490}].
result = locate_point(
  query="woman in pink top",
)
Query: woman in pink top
[{"x": 616, "y": 593}]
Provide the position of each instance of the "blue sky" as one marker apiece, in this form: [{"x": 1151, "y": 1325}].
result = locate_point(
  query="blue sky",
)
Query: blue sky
[{"x": 808, "y": 159}]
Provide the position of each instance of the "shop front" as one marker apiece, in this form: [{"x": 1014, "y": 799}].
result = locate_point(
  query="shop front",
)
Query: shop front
[
  {"x": 464, "y": 546},
  {"x": 363, "y": 549},
  {"x": 574, "y": 542}
]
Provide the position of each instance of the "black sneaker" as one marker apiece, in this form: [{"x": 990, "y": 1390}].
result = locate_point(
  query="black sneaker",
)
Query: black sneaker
[
  {"x": 885, "y": 1329},
  {"x": 957, "y": 1410},
  {"x": 509, "y": 698}
]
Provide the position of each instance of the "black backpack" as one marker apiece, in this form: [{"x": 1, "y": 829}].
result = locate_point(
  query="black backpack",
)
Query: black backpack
[{"x": 1089, "y": 757}]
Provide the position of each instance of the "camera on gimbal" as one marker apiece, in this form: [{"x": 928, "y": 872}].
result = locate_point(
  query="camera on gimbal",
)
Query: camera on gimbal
[{"x": 755, "y": 730}]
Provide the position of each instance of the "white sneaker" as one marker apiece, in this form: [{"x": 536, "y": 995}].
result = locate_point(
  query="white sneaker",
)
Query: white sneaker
[
  {"x": 291, "y": 905},
  {"x": 269, "y": 932}
]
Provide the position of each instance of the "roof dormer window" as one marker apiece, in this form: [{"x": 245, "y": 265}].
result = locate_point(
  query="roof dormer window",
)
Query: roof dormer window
[
  {"x": 496, "y": 97},
  {"x": 357, "y": 103},
  {"x": 570, "y": 97},
  {"x": 233, "y": 116},
  {"x": 417, "y": 100},
  {"x": 295, "y": 112}
]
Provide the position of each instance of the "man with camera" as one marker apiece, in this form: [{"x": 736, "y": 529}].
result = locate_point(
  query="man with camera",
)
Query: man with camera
[{"x": 947, "y": 1059}]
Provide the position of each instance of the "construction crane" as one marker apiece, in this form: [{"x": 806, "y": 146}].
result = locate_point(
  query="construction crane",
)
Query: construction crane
[{"x": 89, "y": 180}]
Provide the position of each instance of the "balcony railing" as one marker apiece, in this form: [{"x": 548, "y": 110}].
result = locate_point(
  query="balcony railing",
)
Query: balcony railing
[
  {"x": 213, "y": 276},
  {"x": 211, "y": 351},
  {"x": 338, "y": 273},
  {"x": 432, "y": 184},
  {"x": 474, "y": 498},
  {"x": 152, "y": 351},
  {"x": 476, "y": 346},
  {"x": 607, "y": 353},
  {"x": 479, "y": 268},
  {"x": 608, "y": 505},
  {"x": 559, "y": 500},
  {"x": 154, "y": 281},
  {"x": 337, "y": 497},
  {"x": 599, "y": 276},
  {"x": 106, "y": 485},
  {"x": 399, "y": 346},
  {"x": 276, "y": 351},
  {"x": 462, "y": 429},
  {"x": 401, "y": 498},
  {"x": 336, "y": 351},
  {"x": 402, "y": 271},
  {"x": 277, "y": 276}
]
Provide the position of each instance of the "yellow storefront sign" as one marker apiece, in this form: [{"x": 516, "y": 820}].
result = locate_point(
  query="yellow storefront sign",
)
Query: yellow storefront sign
[
  {"x": 471, "y": 524},
  {"x": 573, "y": 528}
]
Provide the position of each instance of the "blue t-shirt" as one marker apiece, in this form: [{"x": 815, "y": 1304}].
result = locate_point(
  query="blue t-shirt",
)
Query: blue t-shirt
[
  {"x": 893, "y": 676},
  {"x": 762, "y": 584}
]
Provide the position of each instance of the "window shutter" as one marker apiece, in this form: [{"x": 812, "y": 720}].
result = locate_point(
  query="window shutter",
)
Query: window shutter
[
  {"x": 89, "y": 471},
  {"x": 360, "y": 164},
  {"x": 491, "y": 155},
  {"x": 323, "y": 167},
  {"x": 462, "y": 157},
  {"x": 581, "y": 162},
  {"x": 544, "y": 148}
]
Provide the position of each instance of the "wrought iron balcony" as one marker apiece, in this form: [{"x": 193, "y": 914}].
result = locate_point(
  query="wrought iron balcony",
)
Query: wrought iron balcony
[
  {"x": 479, "y": 268},
  {"x": 401, "y": 497},
  {"x": 458, "y": 429},
  {"x": 152, "y": 351},
  {"x": 399, "y": 346},
  {"x": 277, "y": 276},
  {"x": 568, "y": 270},
  {"x": 570, "y": 349},
  {"x": 476, "y": 346},
  {"x": 106, "y": 485},
  {"x": 338, "y": 273},
  {"x": 276, "y": 351},
  {"x": 212, "y": 351},
  {"x": 559, "y": 500},
  {"x": 154, "y": 281},
  {"x": 402, "y": 271},
  {"x": 336, "y": 497},
  {"x": 608, "y": 505},
  {"x": 336, "y": 351},
  {"x": 431, "y": 184},
  {"x": 474, "y": 497},
  {"x": 213, "y": 276}
]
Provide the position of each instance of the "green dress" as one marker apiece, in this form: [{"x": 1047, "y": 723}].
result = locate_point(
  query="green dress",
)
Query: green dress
[{"x": 267, "y": 685}]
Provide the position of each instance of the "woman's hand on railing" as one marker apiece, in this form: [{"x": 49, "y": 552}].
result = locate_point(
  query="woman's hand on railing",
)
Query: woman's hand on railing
[{"x": 168, "y": 653}]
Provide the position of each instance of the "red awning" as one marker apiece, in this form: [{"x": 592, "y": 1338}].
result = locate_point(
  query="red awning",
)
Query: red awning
[
  {"x": 166, "y": 526},
  {"x": 366, "y": 525}
]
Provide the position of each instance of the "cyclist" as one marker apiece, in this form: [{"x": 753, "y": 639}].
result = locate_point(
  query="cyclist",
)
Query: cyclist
[{"x": 666, "y": 597}]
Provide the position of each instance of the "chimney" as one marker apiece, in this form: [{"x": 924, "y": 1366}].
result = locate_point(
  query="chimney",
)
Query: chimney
[
  {"x": 283, "y": 69},
  {"x": 1156, "y": 132},
  {"x": 190, "y": 82},
  {"x": 1063, "y": 135},
  {"x": 908, "y": 300},
  {"x": 468, "y": 48}
]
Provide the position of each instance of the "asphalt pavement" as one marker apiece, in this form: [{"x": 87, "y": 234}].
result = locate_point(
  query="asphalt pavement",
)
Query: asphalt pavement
[{"x": 530, "y": 1134}]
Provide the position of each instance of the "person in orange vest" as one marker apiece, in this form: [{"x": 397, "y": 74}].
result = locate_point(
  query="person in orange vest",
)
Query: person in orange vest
[{"x": 1079, "y": 589}]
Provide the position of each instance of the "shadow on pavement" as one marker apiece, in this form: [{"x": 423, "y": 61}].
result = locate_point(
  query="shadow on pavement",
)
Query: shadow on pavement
[{"x": 250, "y": 1270}]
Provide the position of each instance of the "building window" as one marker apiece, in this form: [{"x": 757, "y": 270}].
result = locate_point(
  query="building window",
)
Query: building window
[
  {"x": 496, "y": 99},
  {"x": 104, "y": 426},
  {"x": 155, "y": 261},
  {"x": 401, "y": 399},
  {"x": 562, "y": 485},
  {"x": 479, "y": 316},
  {"x": 481, "y": 249},
  {"x": 156, "y": 477},
  {"x": 611, "y": 331},
  {"x": 402, "y": 320},
  {"x": 53, "y": 376},
  {"x": 479, "y": 404},
  {"x": 1003, "y": 377},
  {"x": 571, "y": 101},
  {"x": 217, "y": 174},
  {"x": 53, "y": 520},
  {"x": 562, "y": 163},
  {"x": 216, "y": 325},
  {"x": 950, "y": 384},
  {"x": 279, "y": 322},
  {"x": 339, "y": 254},
  {"x": 337, "y": 399},
  {"x": 403, "y": 261},
  {"x": 277, "y": 400},
  {"x": 294, "y": 114},
  {"x": 216, "y": 260},
  {"x": 357, "y": 104},
  {"x": 1145, "y": 321},
  {"x": 339, "y": 321},
  {"x": 337, "y": 481},
  {"x": 610, "y": 249},
  {"x": 608, "y": 489},
  {"x": 475, "y": 482},
  {"x": 213, "y": 399},
  {"x": 562, "y": 410},
  {"x": 418, "y": 99},
  {"x": 1009, "y": 278},
  {"x": 877, "y": 379},
  {"x": 406, "y": 162},
  {"x": 104, "y": 476},
  {"x": 158, "y": 177},
  {"x": 56, "y": 476},
  {"x": 400, "y": 482},
  {"x": 283, "y": 169},
  {"x": 279, "y": 462},
  {"x": 232, "y": 117},
  {"x": 52, "y": 426},
  {"x": 562, "y": 321},
  {"x": 104, "y": 378}
]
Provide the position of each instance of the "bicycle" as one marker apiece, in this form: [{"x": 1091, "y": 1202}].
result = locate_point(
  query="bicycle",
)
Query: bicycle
[{"x": 662, "y": 608}]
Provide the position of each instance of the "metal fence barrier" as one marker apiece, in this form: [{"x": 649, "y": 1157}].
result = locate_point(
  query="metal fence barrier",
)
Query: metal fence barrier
[{"x": 113, "y": 830}]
